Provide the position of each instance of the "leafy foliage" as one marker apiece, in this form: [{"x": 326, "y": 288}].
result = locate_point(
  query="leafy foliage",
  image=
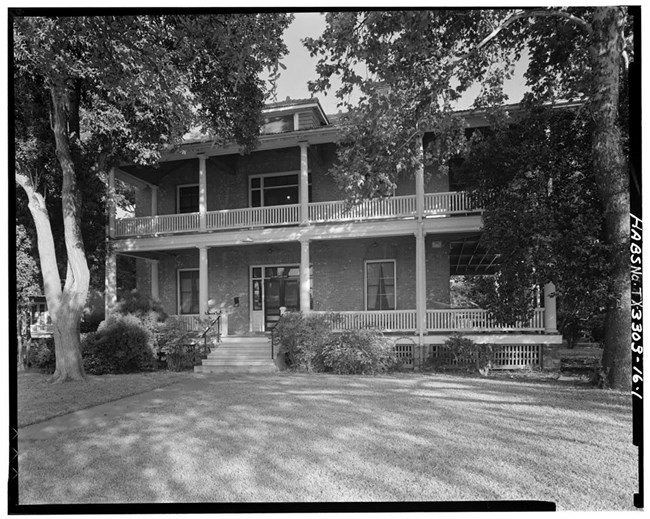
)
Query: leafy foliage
[
  {"x": 180, "y": 348},
  {"x": 308, "y": 344},
  {"x": 41, "y": 354},
  {"x": 302, "y": 339},
  {"x": 27, "y": 270},
  {"x": 93, "y": 91},
  {"x": 122, "y": 345},
  {"x": 542, "y": 215},
  {"x": 424, "y": 60},
  {"x": 359, "y": 352},
  {"x": 459, "y": 352}
]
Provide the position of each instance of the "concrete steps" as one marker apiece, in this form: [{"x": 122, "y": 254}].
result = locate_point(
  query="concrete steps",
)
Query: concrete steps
[{"x": 239, "y": 355}]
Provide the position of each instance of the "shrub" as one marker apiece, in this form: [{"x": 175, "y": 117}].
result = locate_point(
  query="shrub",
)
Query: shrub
[
  {"x": 90, "y": 322},
  {"x": 363, "y": 351},
  {"x": 135, "y": 303},
  {"x": 122, "y": 345},
  {"x": 178, "y": 346},
  {"x": 302, "y": 338},
  {"x": 41, "y": 355},
  {"x": 459, "y": 352}
]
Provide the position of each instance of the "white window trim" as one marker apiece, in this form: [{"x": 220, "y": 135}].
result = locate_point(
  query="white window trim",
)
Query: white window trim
[
  {"x": 178, "y": 196},
  {"x": 178, "y": 288},
  {"x": 263, "y": 278},
  {"x": 261, "y": 176},
  {"x": 365, "y": 282}
]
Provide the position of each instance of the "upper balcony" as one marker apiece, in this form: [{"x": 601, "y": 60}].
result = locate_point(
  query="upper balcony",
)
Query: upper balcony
[{"x": 436, "y": 205}]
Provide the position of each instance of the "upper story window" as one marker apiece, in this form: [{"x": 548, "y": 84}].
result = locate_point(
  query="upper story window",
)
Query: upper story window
[
  {"x": 275, "y": 189},
  {"x": 380, "y": 285},
  {"x": 187, "y": 198}
]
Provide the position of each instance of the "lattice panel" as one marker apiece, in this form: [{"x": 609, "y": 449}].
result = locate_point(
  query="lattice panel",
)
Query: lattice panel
[
  {"x": 507, "y": 356},
  {"x": 404, "y": 352}
]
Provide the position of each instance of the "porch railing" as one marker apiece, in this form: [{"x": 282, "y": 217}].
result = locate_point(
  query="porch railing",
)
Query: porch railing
[
  {"x": 385, "y": 320},
  {"x": 161, "y": 224},
  {"x": 340, "y": 210},
  {"x": 435, "y": 204},
  {"x": 447, "y": 320},
  {"x": 477, "y": 320},
  {"x": 440, "y": 204},
  {"x": 254, "y": 217},
  {"x": 190, "y": 323}
]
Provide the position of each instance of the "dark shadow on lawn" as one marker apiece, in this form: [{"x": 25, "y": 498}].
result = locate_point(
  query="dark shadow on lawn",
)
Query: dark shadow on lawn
[{"x": 295, "y": 437}]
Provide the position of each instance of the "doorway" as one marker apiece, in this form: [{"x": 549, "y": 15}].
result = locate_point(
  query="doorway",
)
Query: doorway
[
  {"x": 280, "y": 292},
  {"x": 273, "y": 287}
]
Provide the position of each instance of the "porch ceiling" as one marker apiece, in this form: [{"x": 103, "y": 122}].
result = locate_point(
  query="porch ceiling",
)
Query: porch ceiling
[
  {"x": 467, "y": 257},
  {"x": 155, "y": 174}
]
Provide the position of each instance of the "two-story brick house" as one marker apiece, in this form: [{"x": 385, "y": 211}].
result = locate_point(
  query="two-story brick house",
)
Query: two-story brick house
[{"x": 249, "y": 234}]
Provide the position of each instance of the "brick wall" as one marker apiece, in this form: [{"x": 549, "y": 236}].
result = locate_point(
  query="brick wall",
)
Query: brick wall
[
  {"x": 227, "y": 178},
  {"x": 338, "y": 273}
]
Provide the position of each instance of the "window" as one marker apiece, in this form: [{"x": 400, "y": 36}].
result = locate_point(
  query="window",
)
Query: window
[
  {"x": 276, "y": 189},
  {"x": 380, "y": 285},
  {"x": 188, "y": 291},
  {"x": 188, "y": 198}
]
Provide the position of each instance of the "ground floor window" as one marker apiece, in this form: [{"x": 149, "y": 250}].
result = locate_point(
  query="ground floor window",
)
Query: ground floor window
[
  {"x": 380, "y": 285},
  {"x": 188, "y": 291}
]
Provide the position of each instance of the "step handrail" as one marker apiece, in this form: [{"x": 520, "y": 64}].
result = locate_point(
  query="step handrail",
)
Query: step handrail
[
  {"x": 273, "y": 334},
  {"x": 204, "y": 335}
]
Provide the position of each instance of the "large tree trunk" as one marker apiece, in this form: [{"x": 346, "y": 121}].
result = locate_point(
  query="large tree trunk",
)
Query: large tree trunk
[
  {"x": 67, "y": 318},
  {"x": 612, "y": 175}
]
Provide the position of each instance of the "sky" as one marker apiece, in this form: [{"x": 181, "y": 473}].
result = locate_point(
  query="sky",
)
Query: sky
[{"x": 302, "y": 68}]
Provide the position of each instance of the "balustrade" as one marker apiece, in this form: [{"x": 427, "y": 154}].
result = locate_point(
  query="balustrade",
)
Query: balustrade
[
  {"x": 477, "y": 320},
  {"x": 435, "y": 204}
]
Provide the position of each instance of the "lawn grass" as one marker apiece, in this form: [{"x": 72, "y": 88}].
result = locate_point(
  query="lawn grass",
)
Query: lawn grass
[
  {"x": 312, "y": 438},
  {"x": 39, "y": 400}
]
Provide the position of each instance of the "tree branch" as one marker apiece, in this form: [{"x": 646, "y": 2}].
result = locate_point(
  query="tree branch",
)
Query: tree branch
[
  {"x": 519, "y": 15},
  {"x": 44, "y": 240}
]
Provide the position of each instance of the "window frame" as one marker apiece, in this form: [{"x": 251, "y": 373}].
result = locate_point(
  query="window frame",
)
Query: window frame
[
  {"x": 365, "y": 283},
  {"x": 262, "y": 176},
  {"x": 178, "y": 197},
  {"x": 179, "y": 305}
]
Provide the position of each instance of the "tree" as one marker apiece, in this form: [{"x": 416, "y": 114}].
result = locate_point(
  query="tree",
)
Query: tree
[
  {"x": 420, "y": 62},
  {"x": 122, "y": 88},
  {"x": 542, "y": 215}
]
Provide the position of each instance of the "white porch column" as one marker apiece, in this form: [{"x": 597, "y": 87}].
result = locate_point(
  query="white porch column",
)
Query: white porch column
[
  {"x": 203, "y": 280},
  {"x": 304, "y": 277},
  {"x": 550, "y": 313},
  {"x": 110, "y": 290},
  {"x": 203, "y": 205},
  {"x": 111, "y": 203},
  {"x": 155, "y": 290},
  {"x": 304, "y": 183},
  {"x": 420, "y": 283},
  {"x": 419, "y": 181},
  {"x": 154, "y": 200}
]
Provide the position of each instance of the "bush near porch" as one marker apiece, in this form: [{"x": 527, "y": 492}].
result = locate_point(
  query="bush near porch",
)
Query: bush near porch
[{"x": 307, "y": 343}]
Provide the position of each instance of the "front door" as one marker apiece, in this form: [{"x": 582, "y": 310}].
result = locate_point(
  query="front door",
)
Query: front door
[{"x": 280, "y": 292}]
